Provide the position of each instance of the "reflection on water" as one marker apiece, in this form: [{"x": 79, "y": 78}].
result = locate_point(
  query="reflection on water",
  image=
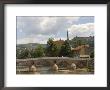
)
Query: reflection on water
[{"x": 47, "y": 70}]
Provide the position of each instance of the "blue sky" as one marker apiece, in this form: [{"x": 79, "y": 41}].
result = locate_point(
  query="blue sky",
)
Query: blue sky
[{"x": 34, "y": 29}]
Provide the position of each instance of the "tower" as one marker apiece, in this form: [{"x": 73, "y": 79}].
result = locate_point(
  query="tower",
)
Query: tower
[
  {"x": 67, "y": 36},
  {"x": 68, "y": 39}
]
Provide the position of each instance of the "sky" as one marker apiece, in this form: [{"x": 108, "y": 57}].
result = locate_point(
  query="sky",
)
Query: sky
[{"x": 36, "y": 29}]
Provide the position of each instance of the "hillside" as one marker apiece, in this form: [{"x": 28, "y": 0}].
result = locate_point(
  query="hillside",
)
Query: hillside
[{"x": 29, "y": 45}]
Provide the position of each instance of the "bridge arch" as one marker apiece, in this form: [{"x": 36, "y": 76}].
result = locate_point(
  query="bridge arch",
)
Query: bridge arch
[{"x": 63, "y": 63}]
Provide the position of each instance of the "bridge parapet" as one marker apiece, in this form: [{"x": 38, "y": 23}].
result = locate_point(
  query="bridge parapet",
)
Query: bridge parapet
[{"x": 60, "y": 61}]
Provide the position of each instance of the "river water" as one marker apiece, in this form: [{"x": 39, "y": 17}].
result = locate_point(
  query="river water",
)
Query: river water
[{"x": 46, "y": 70}]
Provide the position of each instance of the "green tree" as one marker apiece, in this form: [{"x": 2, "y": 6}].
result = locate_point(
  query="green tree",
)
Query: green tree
[
  {"x": 22, "y": 53},
  {"x": 66, "y": 49},
  {"x": 75, "y": 42},
  {"x": 33, "y": 53},
  {"x": 39, "y": 51},
  {"x": 52, "y": 49}
]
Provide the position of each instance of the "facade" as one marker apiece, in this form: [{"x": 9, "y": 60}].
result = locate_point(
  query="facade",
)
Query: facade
[
  {"x": 59, "y": 42},
  {"x": 90, "y": 38},
  {"x": 81, "y": 51}
]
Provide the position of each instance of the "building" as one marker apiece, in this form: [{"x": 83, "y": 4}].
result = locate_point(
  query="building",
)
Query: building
[
  {"x": 59, "y": 42},
  {"x": 90, "y": 38},
  {"x": 81, "y": 51}
]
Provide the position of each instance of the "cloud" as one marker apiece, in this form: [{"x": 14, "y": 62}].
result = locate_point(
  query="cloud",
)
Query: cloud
[
  {"x": 43, "y": 25},
  {"x": 33, "y": 39},
  {"x": 32, "y": 29},
  {"x": 82, "y": 30},
  {"x": 42, "y": 39}
]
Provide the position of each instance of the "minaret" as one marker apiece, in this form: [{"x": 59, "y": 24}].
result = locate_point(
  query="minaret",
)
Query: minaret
[{"x": 67, "y": 36}]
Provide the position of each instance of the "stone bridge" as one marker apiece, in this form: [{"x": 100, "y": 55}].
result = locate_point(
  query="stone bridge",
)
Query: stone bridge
[{"x": 49, "y": 61}]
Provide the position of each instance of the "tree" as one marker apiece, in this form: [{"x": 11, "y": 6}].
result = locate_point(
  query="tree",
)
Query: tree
[
  {"x": 39, "y": 51},
  {"x": 65, "y": 49},
  {"x": 75, "y": 42},
  {"x": 22, "y": 53},
  {"x": 33, "y": 53},
  {"x": 52, "y": 49}
]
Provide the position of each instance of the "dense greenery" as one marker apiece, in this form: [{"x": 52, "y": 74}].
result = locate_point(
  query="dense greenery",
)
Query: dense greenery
[
  {"x": 30, "y": 53},
  {"x": 77, "y": 41},
  {"x": 53, "y": 50},
  {"x": 22, "y": 53},
  {"x": 37, "y": 52},
  {"x": 66, "y": 49}
]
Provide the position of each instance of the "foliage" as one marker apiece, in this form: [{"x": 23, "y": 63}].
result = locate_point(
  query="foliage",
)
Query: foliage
[
  {"x": 39, "y": 51},
  {"x": 65, "y": 49},
  {"x": 22, "y": 53},
  {"x": 77, "y": 41},
  {"x": 52, "y": 49},
  {"x": 30, "y": 53}
]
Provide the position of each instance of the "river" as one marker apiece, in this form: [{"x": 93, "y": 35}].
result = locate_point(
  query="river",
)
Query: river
[{"x": 46, "y": 70}]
